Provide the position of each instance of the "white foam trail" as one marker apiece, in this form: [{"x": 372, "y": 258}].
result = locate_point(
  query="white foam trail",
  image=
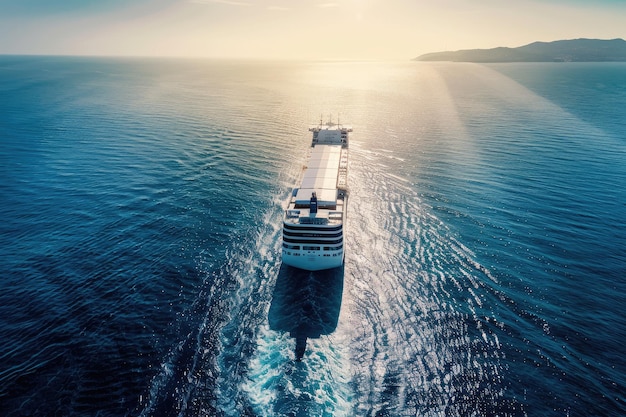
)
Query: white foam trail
[{"x": 319, "y": 385}]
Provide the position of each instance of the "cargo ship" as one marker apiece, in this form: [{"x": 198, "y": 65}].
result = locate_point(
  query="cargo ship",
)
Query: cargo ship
[{"x": 313, "y": 223}]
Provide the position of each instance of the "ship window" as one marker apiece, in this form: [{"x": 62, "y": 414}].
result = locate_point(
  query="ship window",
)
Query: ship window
[
  {"x": 311, "y": 247},
  {"x": 317, "y": 228},
  {"x": 294, "y": 247}
]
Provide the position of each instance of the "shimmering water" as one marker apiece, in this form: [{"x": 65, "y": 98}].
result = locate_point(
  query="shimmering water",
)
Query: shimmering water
[{"x": 141, "y": 205}]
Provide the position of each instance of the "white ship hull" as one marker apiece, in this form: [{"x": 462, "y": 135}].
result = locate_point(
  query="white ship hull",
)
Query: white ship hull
[{"x": 313, "y": 261}]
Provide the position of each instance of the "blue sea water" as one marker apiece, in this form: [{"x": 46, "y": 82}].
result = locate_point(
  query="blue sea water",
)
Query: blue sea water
[{"x": 141, "y": 204}]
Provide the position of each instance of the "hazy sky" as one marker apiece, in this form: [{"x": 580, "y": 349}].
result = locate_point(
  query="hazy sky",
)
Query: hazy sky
[{"x": 297, "y": 29}]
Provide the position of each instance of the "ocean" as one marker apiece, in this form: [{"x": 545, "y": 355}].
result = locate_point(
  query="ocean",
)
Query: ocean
[{"x": 141, "y": 204}]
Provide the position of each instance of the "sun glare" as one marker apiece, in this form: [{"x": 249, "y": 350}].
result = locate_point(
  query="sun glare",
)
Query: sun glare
[{"x": 277, "y": 29}]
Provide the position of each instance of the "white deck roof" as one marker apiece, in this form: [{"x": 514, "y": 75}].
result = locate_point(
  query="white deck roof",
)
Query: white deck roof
[{"x": 321, "y": 175}]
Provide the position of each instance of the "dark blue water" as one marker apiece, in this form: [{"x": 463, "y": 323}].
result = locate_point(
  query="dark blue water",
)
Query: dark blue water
[{"x": 141, "y": 204}]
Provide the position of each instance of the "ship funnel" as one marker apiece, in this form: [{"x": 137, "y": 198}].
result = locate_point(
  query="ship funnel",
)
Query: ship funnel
[{"x": 313, "y": 203}]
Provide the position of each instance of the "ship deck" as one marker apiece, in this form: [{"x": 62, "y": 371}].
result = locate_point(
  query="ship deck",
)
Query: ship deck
[
  {"x": 321, "y": 176},
  {"x": 326, "y": 176}
]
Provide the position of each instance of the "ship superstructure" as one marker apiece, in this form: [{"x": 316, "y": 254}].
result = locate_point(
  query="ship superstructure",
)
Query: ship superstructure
[{"x": 313, "y": 225}]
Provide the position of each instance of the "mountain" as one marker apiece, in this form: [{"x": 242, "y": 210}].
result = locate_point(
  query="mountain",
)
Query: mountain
[{"x": 574, "y": 50}]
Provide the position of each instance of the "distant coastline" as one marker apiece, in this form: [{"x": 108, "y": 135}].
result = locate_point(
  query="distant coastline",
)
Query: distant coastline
[{"x": 573, "y": 50}]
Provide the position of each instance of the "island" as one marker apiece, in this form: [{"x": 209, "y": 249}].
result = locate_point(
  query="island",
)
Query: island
[{"x": 572, "y": 50}]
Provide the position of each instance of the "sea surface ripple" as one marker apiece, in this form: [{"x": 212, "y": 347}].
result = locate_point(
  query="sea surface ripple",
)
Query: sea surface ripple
[{"x": 140, "y": 245}]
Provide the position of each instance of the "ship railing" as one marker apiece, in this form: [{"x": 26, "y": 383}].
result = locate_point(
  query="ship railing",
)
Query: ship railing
[
  {"x": 313, "y": 220},
  {"x": 335, "y": 215},
  {"x": 293, "y": 214}
]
